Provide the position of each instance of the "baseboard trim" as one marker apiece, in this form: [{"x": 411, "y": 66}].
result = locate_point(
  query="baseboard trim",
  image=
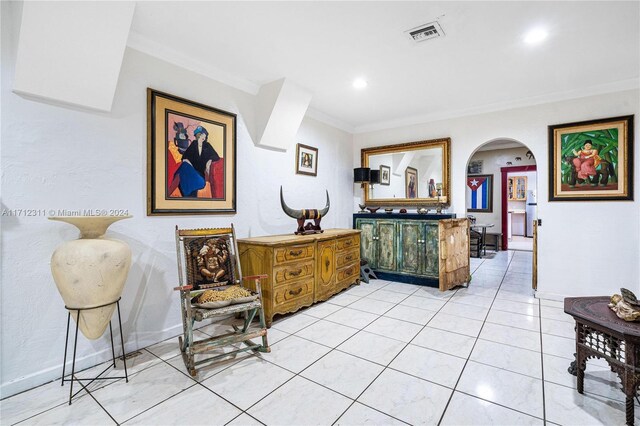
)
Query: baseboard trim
[{"x": 134, "y": 342}]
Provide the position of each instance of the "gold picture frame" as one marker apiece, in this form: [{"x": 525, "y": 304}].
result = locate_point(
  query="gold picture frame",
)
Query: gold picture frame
[
  {"x": 191, "y": 157},
  {"x": 591, "y": 160}
]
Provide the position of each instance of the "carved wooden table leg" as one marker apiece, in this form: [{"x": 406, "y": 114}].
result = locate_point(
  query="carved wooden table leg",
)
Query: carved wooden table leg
[{"x": 580, "y": 367}]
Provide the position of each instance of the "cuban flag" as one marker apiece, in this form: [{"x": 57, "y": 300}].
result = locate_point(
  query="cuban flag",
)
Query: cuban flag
[{"x": 479, "y": 192}]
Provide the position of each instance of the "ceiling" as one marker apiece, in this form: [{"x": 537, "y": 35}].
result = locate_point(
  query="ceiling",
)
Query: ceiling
[{"x": 481, "y": 64}]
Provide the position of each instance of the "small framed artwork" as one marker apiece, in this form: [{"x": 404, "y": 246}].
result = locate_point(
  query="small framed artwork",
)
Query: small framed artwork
[
  {"x": 385, "y": 175},
  {"x": 191, "y": 157},
  {"x": 411, "y": 182},
  {"x": 480, "y": 193},
  {"x": 306, "y": 160},
  {"x": 475, "y": 167},
  {"x": 591, "y": 160}
]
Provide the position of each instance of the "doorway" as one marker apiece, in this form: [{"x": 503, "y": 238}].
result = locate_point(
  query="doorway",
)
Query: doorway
[{"x": 501, "y": 190}]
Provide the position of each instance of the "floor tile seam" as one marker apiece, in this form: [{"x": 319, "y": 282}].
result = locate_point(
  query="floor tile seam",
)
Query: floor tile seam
[
  {"x": 587, "y": 392},
  {"x": 66, "y": 402},
  {"x": 498, "y": 404},
  {"x": 513, "y": 326},
  {"x": 355, "y": 328},
  {"x": 507, "y": 369},
  {"x": 244, "y": 412},
  {"x": 470, "y": 352},
  {"x": 544, "y": 398},
  {"x": 159, "y": 403},
  {"x": 516, "y": 313},
  {"x": 298, "y": 374},
  {"x": 297, "y": 331},
  {"x": 368, "y": 406},
  {"x": 444, "y": 329},
  {"x": 507, "y": 344}
]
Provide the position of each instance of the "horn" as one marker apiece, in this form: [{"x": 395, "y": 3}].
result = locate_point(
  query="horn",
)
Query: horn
[
  {"x": 324, "y": 211},
  {"x": 296, "y": 214}
]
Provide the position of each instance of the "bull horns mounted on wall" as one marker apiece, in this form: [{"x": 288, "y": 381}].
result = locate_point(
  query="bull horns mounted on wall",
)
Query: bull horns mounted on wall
[{"x": 302, "y": 215}]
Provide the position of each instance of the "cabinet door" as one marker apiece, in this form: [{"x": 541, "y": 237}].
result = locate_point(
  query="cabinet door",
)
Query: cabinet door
[
  {"x": 368, "y": 244},
  {"x": 386, "y": 249},
  {"x": 430, "y": 249},
  {"x": 410, "y": 243},
  {"x": 521, "y": 187},
  {"x": 325, "y": 269}
]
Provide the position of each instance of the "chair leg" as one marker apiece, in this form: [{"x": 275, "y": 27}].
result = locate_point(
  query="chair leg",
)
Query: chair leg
[{"x": 265, "y": 344}]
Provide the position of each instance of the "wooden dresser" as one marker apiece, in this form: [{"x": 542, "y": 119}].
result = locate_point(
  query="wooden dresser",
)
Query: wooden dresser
[{"x": 301, "y": 269}]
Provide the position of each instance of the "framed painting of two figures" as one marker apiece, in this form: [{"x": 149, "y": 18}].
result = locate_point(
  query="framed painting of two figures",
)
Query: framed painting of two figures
[
  {"x": 191, "y": 157},
  {"x": 591, "y": 160}
]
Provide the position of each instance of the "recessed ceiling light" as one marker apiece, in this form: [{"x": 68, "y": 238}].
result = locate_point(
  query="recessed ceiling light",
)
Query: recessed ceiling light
[
  {"x": 359, "y": 83},
  {"x": 535, "y": 36}
]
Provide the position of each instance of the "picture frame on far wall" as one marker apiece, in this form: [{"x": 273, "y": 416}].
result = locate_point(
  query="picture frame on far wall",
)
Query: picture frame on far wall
[
  {"x": 474, "y": 167},
  {"x": 385, "y": 175},
  {"x": 411, "y": 182},
  {"x": 591, "y": 160},
  {"x": 306, "y": 160},
  {"x": 191, "y": 157},
  {"x": 480, "y": 193}
]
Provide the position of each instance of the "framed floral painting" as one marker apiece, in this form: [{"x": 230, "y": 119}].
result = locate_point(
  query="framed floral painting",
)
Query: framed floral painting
[
  {"x": 591, "y": 160},
  {"x": 191, "y": 157}
]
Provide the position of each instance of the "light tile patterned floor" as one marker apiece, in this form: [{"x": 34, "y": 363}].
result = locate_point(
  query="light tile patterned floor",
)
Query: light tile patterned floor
[{"x": 379, "y": 353}]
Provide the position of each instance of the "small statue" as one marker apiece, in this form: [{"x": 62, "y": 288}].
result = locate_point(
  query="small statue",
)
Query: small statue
[{"x": 625, "y": 306}]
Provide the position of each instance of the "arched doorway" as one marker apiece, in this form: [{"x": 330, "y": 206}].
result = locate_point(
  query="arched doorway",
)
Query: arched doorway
[{"x": 501, "y": 189}]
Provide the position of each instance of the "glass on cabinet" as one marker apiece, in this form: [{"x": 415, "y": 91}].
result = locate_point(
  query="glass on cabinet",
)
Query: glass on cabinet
[{"x": 517, "y": 188}]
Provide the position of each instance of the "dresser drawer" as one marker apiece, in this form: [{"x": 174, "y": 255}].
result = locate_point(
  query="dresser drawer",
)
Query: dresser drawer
[
  {"x": 292, "y": 253},
  {"x": 292, "y": 294},
  {"x": 348, "y": 273},
  {"x": 293, "y": 271},
  {"x": 346, "y": 243},
  {"x": 346, "y": 257}
]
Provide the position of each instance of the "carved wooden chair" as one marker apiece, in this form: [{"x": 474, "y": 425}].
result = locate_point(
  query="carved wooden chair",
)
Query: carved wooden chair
[{"x": 208, "y": 259}]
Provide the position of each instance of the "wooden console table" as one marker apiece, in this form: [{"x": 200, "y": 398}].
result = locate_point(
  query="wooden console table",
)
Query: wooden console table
[{"x": 600, "y": 333}]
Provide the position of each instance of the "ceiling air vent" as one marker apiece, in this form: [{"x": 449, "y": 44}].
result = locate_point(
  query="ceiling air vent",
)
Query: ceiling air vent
[{"x": 425, "y": 32}]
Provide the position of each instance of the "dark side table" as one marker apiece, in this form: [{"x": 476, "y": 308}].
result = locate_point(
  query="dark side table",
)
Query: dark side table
[{"x": 601, "y": 334}]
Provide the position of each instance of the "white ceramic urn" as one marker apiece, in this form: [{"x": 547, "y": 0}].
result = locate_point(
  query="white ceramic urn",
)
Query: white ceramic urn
[{"x": 91, "y": 271}]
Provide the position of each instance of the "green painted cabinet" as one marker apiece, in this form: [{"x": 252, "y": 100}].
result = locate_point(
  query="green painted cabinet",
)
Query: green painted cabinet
[
  {"x": 405, "y": 245},
  {"x": 378, "y": 243}
]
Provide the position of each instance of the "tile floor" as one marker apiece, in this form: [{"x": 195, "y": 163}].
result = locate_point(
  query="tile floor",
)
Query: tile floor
[{"x": 379, "y": 353}]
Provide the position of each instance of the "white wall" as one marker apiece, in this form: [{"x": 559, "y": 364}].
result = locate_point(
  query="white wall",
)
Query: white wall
[
  {"x": 60, "y": 158},
  {"x": 585, "y": 248}
]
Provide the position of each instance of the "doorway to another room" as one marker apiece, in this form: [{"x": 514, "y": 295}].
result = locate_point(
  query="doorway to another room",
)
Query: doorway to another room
[{"x": 501, "y": 196}]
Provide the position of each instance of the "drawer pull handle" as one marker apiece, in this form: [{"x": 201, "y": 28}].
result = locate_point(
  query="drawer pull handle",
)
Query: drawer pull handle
[
  {"x": 349, "y": 257},
  {"x": 295, "y": 253},
  {"x": 295, "y": 273},
  {"x": 348, "y": 243},
  {"x": 348, "y": 271},
  {"x": 295, "y": 293}
]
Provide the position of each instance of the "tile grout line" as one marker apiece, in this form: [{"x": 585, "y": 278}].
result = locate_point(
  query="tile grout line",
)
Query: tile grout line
[
  {"x": 444, "y": 412},
  {"x": 544, "y": 409}
]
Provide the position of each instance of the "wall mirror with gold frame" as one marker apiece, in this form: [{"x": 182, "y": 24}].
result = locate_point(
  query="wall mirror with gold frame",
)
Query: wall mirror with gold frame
[{"x": 418, "y": 173}]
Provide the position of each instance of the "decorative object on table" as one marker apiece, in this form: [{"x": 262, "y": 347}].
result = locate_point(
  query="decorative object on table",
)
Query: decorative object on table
[
  {"x": 480, "y": 193},
  {"x": 209, "y": 259},
  {"x": 402, "y": 211},
  {"x": 423, "y": 210},
  {"x": 373, "y": 209},
  {"x": 591, "y": 160},
  {"x": 385, "y": 175},
  {"x": 306, "y": 160},
  {"x": 366, "y": 272},
  {"x": 90, "y": 274},
  {"x": 388, "y": 210},
  {"x": 191, "y": 157},
  {"x": 91, "y": 271},
  {"x": 475, "y": 167},
  {"x": 626, "y": 305},
  {"x": 411, "y": 182},
  {"x": 362, "y": 208},
  {"x": 439, "y": 208},
  {"x": 434, "y": 162},
  {"x": 306, "y": 214}
]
